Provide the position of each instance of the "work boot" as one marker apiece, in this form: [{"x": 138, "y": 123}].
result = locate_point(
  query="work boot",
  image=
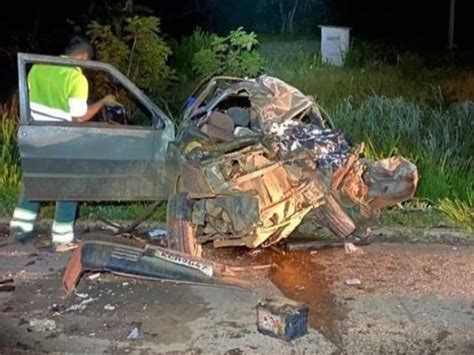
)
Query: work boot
[{"x": 19, "y": 235}]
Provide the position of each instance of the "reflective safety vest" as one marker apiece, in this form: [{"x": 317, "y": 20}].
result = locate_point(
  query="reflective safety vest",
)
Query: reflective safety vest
[{"x": 57, "y": 93}]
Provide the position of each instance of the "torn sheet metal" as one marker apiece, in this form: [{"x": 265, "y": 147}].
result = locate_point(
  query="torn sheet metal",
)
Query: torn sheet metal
[
  {"x": 253, "y": 200},
  {"x": 328, "y": 146},
  {"x": 293, "y": 162}
]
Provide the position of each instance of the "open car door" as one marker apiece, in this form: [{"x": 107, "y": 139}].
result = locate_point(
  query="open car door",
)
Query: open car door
[{"x": 92, "y": 160}]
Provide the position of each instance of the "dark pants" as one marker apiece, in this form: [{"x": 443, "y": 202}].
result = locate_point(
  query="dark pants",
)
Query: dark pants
[{"x": 26, "y": 213}]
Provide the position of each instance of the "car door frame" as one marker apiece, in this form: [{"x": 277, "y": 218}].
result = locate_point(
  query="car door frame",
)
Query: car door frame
[{"x": 162, "y": 126}]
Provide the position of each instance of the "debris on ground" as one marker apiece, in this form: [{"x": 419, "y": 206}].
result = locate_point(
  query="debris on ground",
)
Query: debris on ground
[
  {"x": 312, "y": 245},
  {"x": 95, "y": 276},
  {"x": 42, "y": 325},
  {"x": 58, "y": 308},
  {"x": 282, "y": 318},
  {"x": 353, "y": 282},
  {"x": 149, "y": 261},
  {"x": 7, "y": 285},
  {"x": 81, "y": 295},
  {"x": 66, "y": 247},
  {"x": 134, "y": 334},
  {"x": 350, "y": 248},
  {"x": 156, "y": 233},
  {"x": 109, "y": 307},
  {"x": 81, "y": 306}
]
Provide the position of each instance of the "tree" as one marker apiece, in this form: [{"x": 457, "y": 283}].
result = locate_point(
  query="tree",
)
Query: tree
[
  {"x": 135, "y": 46},
  {"x": 233, "y": 55},
  {"x": 291, "y": 16},
  {"x": 287, "y": 10}
]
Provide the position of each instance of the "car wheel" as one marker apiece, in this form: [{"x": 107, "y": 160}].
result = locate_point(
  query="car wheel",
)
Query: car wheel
[
  {"x": 332, "y": 215},
  {"x": 181, "y": 230}
]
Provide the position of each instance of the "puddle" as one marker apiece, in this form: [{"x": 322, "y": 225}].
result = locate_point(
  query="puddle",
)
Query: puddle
[{"x": 300, "y": 276}]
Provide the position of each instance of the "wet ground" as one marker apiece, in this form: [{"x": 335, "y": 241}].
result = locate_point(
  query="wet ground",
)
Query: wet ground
[{"x": 412, "y": 298}]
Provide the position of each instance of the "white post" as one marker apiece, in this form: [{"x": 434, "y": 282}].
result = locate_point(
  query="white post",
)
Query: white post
[{"x": 452, "y": 9}]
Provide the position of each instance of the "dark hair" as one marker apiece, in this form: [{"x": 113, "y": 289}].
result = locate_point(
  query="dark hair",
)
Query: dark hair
[{"x": 79, "y": 45}]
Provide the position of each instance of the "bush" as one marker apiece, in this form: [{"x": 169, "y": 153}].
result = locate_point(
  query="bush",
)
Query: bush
[
  {"x": 137, "y": 49},
  {"x": 185, "y": 49},
  {"x": 203, "y": 54},
  {"x": 411, "y": 64},
  {"x": 10, "y": 172},
  {"x": 232, "y": 55}
]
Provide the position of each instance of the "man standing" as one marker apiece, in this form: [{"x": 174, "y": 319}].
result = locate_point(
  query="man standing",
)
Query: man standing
[{"x": 57, "y": 93}]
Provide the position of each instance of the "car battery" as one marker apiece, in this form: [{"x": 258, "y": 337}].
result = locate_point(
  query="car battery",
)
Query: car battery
[{"x": 282, "y": 318}]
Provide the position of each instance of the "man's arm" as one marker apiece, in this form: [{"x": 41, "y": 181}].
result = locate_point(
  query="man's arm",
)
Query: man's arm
[
  {"x": 93, "y": 109},
  {"x": 78, "y": 94}
]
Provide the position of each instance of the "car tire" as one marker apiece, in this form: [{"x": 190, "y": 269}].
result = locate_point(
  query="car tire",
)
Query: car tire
[
  {"x": 181, "y": 231},
  {"x": 333, "y": 216}
]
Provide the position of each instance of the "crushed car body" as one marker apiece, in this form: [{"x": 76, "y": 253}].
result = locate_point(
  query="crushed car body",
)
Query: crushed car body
[
  {"x": 259, "y": 156},
  {"x": 250, "y": 160}
]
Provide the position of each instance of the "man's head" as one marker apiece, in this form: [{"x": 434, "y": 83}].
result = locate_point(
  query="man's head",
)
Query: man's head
[{"x": 79, "y": 48}]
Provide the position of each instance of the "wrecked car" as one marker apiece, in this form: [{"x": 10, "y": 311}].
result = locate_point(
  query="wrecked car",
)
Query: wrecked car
[
  {"x": 250, "y": 159},
  {"x": 258, "y": 156}
]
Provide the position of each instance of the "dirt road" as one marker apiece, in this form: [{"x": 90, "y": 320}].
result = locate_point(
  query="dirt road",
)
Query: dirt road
[{"x": 412, "y": 299}]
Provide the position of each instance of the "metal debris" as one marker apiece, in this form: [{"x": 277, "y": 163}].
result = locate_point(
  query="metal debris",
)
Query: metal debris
[
  {"x": 94, "y": 276},
  {"x": 329, "y": 147},
  {"x": 350, "y": 248},
  {"x": 156, "y": 233},
  {"x": 109, "y": 307},
  {"x": 81, "y": 306},
  {"x": 7, "y": 285},
  {"x": 81, "y": 295},
  {"x": 58, "y": 308},
  {"x": 353, "y": 282},
  {"x": 134, "y": 334},
  {"x": 42, "y": 325}
]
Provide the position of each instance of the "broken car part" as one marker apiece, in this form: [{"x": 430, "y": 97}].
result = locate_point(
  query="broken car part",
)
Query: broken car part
[{"x": 123, "y": 257}]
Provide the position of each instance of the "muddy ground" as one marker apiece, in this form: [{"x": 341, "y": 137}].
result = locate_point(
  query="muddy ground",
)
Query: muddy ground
[{"x": 413, "y": 298}]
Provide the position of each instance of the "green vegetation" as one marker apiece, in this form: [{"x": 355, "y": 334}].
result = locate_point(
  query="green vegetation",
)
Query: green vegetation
[
  {"x": 232, "y": 55},
  {"x": 10, "y": 173},
  {"x": 392, "y": 101},
  {"x": 137, "y": 49}
]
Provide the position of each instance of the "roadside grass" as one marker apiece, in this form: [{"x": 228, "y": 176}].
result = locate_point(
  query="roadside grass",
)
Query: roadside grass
[
  {"x": 421, "y": 218},
  {"x": 459, "y": 211},
  {"x": 331, "y": 85},
  {"x": 10, "y": 172},
  {"x": 438, "y": 139}
]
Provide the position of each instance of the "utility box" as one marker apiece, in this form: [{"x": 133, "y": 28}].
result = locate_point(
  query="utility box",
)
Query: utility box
[{"x": 334, "y": 44}]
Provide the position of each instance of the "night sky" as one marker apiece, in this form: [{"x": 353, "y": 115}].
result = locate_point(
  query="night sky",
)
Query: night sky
[
  {"x": 424, "y": 21},
  {"x": 41, "y": 26}
]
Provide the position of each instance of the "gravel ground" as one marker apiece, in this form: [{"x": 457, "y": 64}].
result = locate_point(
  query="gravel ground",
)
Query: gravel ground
[{"x": 412, "y": 298}]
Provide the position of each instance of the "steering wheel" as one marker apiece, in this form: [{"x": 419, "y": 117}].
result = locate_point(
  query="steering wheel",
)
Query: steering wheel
[{"x": 114, "y": 115}]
